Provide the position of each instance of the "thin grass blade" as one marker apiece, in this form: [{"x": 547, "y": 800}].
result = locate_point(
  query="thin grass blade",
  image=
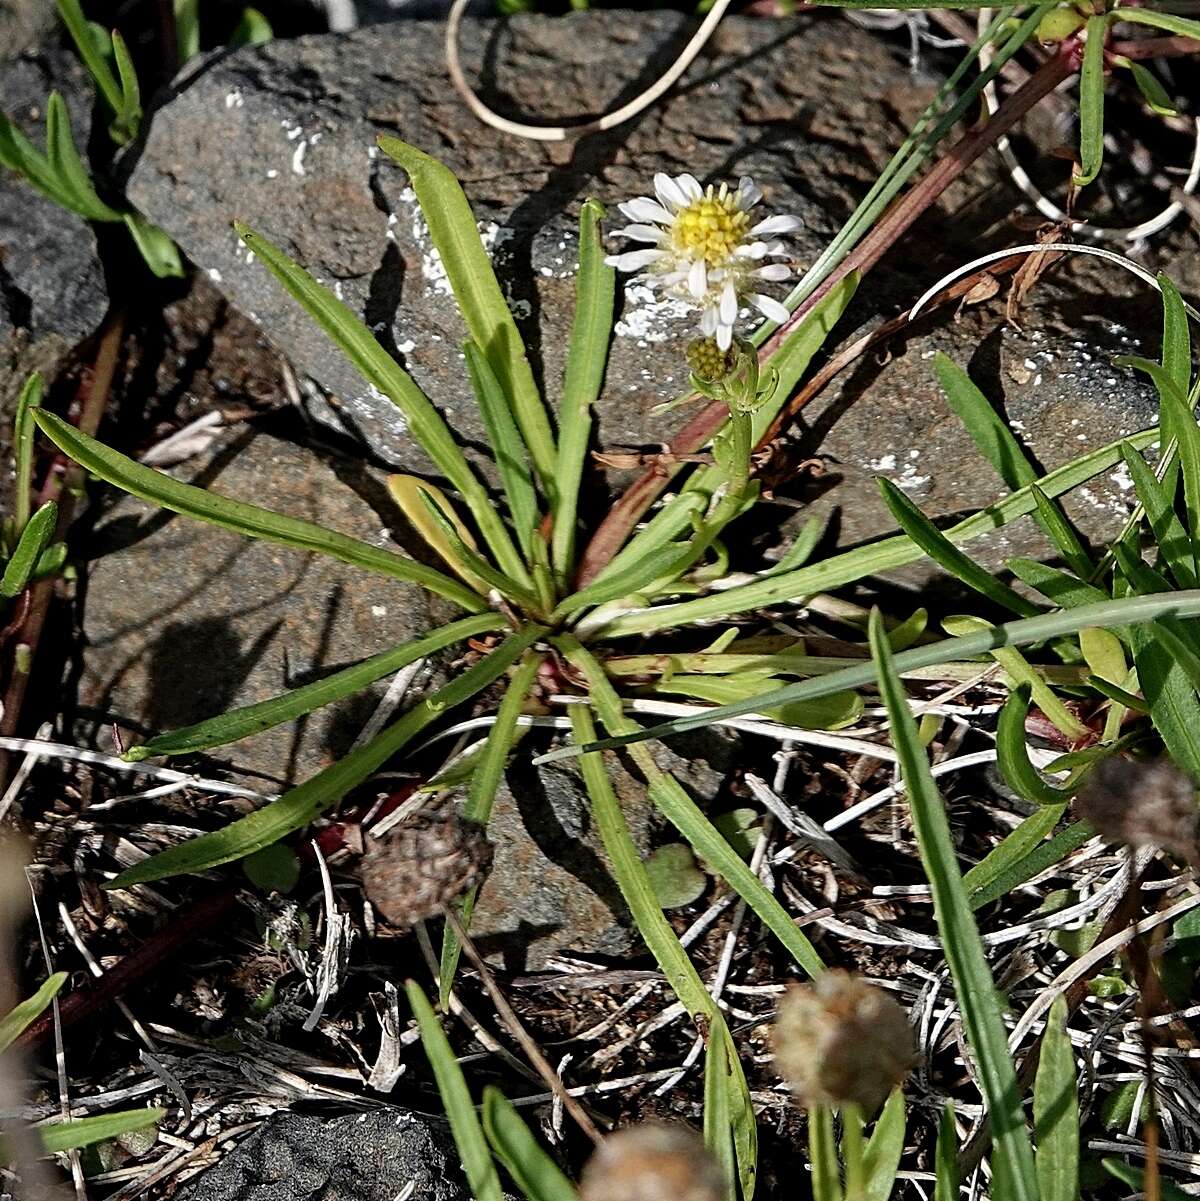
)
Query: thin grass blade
[
  {"x": 83, "y": 1132},
  {"x": 535, "y": 1173},
  {"x": 885, "y": 1149},
  {"x": 587, "y": 356},
  {"x": 34, "y": 539},
  {"x": 253, "y": 719},
  {"x": 485, "y": 780},
  {"x": 77, "y": 25},
  {"x": 963, "y": 948},
  {"x": 160, "y": 489},
  {"x": 1091, "y": 103},
  {"x": 1056, "y": 1110},
  {"x": 297, "y": 808},
  {"x": 22, "y": 1015},
  {"x": 487, "y": 315},
  {"x": 468, "y": 1134}
]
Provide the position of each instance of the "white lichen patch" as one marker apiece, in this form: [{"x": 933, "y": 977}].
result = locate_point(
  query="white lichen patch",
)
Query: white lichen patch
[
  {"x": 649, "y": 317},
  {"x": 234, "y": 99}
]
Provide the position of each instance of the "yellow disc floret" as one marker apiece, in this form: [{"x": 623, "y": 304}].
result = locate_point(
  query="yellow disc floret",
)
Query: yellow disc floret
[{"x": 711, "y": 227}]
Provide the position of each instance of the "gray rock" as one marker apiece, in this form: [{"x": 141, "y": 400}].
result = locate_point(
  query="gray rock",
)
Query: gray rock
[
  {"x": 551, "y": 887},
  {"x": 360, "y": 1157},
  {"x": 24, "y": 23},
  {"x": 52, "y": 290},
  {"x": 183, "y": 621},
  {"x": 1062, "y": 395},
  {"x": 282, "y": 136}
]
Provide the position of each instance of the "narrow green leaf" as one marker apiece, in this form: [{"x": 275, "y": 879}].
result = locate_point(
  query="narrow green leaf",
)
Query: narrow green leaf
[
  {"x": 252, "y": 29},
  {"x": 187, "y": 29},
  {"x": 1012, "y": 754},
  {"x": 83, "y": 1132},
  {"x": 1056, "y": 1111},
  {"x": 534, "y": 1172},
  {"x": 1176, "y": 338},
  {"x": 664, "y": 563},
  {"x": 1002, "y": 877},
  {"x": 297, "y": 808},
  {"x": 472, "y": 1146},
  {"x": 884, "y": 1149},
  {"x": 881, "y": 556},
  {"x": 587, "y": 355},
  {"x": 485, "y": 781},
  {"x": 1020, "y": 671},
  {"x": 1053, "y": 519},
  {"x": 1135, "y": 1178},
  {"x": 25, "y": 1013},
  {"x": 823, "y": 1156},
  {"x": 155, "y": 246},
  {"x": 480, "y": 300},
  {"x": 129, "y": 115},
  {"x": 509, "y": 454},
  {"x": 1013, "y": 848},
  {"x": 29, "y": 399},
  {"x": 1171, "y": 695},
  {"x": 1091, "y": 102},
  {"x": 473, "y": 563},
  {"x": 638, "y": 893},
  {"x": 1171, "y": 538},
  {"x": 1112, "y": 614},
  {"x": 946, "y": 555},
  {"x": 81, "y": 34},
  {"x": 1153, "y": 92},
  {"x": 381, "y": 371},
  {"x": 673, "y": 802},
  {"x": 253, "y": 719},
  {"x": 1066, "y": 591},
  {"x": 961, "y": 943},
  {"x": 718, "y": 1131},
  {"x": 160, "y": 489},
  {"x": 1163, "y": 20},
  {"x": 19, "y": 154},
  {"x": 992, "y": 437},
  {"x": 35, "y": 537},
  {"x": 945, "y": 1159},
  {"x": 68, "y": 167}
]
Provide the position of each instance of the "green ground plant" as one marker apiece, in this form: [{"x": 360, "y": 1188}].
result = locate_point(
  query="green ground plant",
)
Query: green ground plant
[{"x": 1112, "y": 630}]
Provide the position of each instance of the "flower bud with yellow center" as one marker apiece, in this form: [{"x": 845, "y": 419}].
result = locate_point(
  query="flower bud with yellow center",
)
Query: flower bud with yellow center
[{"x": 708, "y": 361}]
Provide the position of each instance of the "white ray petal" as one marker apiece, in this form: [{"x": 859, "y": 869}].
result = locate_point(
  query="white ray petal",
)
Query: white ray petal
[
  {"x": 752, "y": 250},
  {"x": 729, "y": 303},
  {"x": 642, "y": 208},
  {"x": 748, "y": 194},
  {"x": 633, "y": 260},
  {"x": 669, "y": 192},
  {"x": 709, "y": 320},
  {"x": 724, "y": 337},
  {"x": 641, "y": 233},
  {"x": 778, "y": 225},
  {"x": 698, "y": 279},
  {"x": 775, "y": 272},
  {"x": 770, "y": 307},
  {"x": 690, "y": 186}
]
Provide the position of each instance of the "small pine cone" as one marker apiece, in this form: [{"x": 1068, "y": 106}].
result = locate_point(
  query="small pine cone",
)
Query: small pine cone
[
  {"x": 653, "y": 1162},
  {"x": 1142, "y": 804},
  {"x": 840, "y": 1040},
  {"x": 422, "y": 865}
]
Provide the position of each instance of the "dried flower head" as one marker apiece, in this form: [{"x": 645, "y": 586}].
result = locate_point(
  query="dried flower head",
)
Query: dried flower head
[
  {"x": 703, "y": 249},
  {"x": 422, "y": 865},
  {"x": 653, "y": 1162},
  {"x": 840, "y": 1040},
  {"x": 1142, "y": 804}
]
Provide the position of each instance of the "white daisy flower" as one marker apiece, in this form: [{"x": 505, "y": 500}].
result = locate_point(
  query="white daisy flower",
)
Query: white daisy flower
[{"x": 703, "y": 249}]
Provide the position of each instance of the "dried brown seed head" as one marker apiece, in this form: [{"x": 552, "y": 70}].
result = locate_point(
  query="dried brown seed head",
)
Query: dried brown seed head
[
  {"x": 421, "y": 866},
  {"x": 653, "y": 1162},
  {"x": 840, "y": 1040},
  {"x": 1142, "y": 804}
]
